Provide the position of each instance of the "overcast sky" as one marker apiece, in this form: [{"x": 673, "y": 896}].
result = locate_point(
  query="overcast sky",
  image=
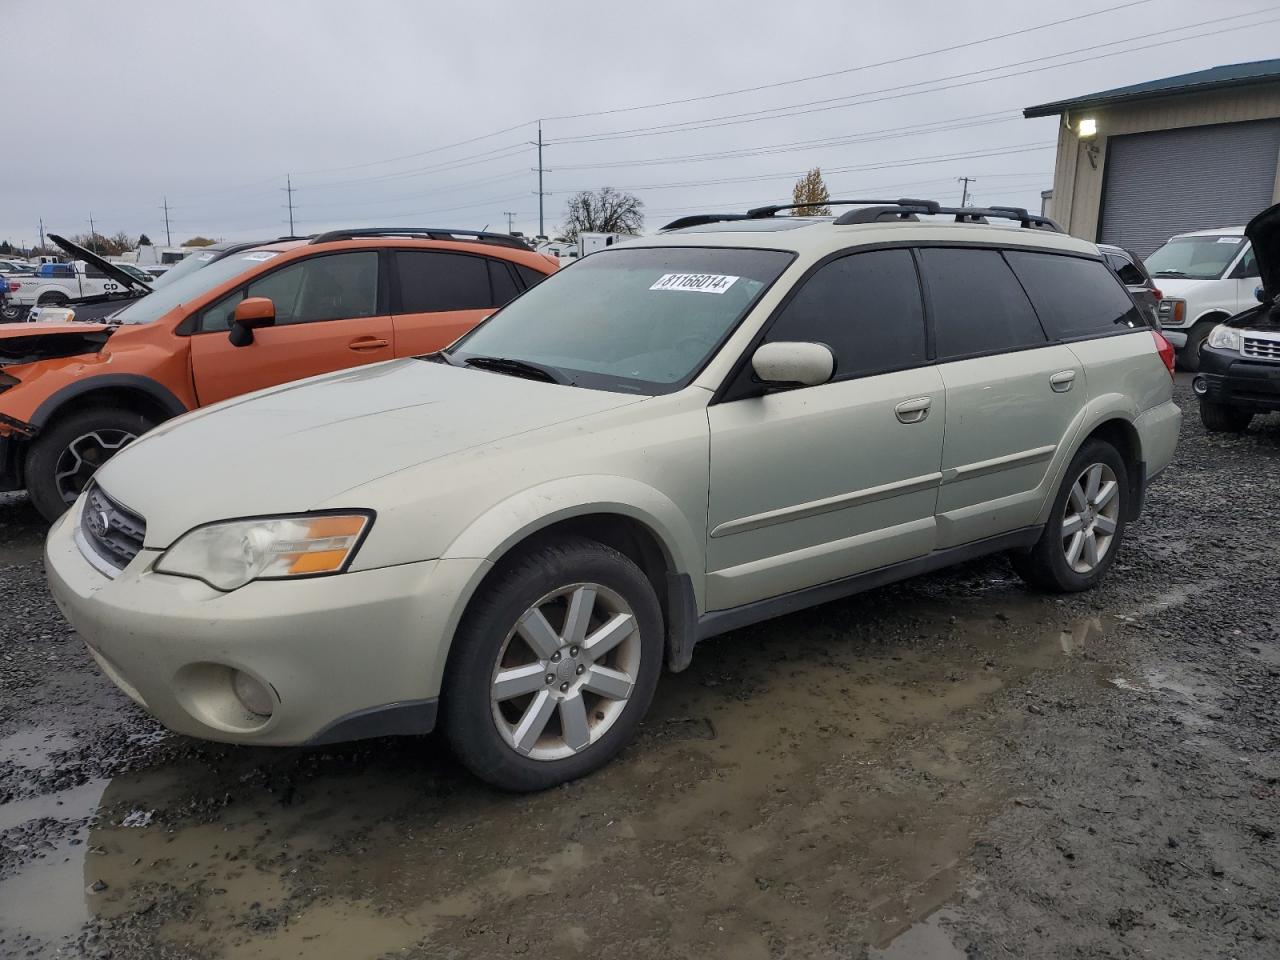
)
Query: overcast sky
[{"x": 111, "y": 107}]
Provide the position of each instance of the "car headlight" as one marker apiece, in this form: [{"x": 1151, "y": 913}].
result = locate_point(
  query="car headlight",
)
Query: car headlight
[
  {"x": 230, "y": 554},
  {"x": 1224, "y": 337}
]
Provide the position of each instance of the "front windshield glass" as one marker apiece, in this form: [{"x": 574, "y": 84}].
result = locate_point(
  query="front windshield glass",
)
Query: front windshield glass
[
  {"x": 187, "y": 288},
  {"x": 643, "y": 320},
  {"x": 183, "y": 267},
  {"x": 1196, "y": 258}
]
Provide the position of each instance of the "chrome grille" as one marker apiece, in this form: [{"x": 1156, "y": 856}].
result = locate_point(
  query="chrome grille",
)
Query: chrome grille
[
  {"x": 1261, "y": 349},
  {"x": 112, "y": 532}
]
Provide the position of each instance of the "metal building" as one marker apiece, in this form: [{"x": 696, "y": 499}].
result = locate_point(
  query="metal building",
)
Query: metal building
[{"x": 1138, "y": 164}]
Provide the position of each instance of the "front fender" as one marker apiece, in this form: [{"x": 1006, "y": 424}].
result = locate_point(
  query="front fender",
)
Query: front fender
[{"x": 520, "y": 516}]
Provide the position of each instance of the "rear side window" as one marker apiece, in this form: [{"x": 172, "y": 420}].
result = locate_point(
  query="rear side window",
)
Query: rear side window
[
  {"x": 530, "y": 276},
  {"x": 1129, "y": 274},
  {"x": 865, "y": 307},
  {"x": 1074, "y": 297},
  {"x": 503, "y": 284},
  {"x": 434, "y": 281},
  {"x": 977, "y": 303}
]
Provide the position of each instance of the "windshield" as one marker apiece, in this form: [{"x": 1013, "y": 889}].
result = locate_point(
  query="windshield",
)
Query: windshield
[
  {"x": 179, "y": 270},
  {"x": 1196, "y": 258},
  {"x": 643, "y": 320},
  {"x": 187, "y": 288}
]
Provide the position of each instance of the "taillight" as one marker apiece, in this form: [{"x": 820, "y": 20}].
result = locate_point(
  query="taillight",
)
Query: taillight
[
  {"x": 1165, "y": 349},
  {"x": 14, "y": 285},
  {"x": 1155, "y": 292}
]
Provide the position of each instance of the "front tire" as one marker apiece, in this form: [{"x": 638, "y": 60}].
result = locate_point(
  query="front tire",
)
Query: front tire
[
  {"x": 1086, "y": 524},
  {"x": 1220, "y": 418},
  {"x": 1189, "y": 355},
  {"x": 554, "y": 665},
  {"x": 64, "y": 457}
]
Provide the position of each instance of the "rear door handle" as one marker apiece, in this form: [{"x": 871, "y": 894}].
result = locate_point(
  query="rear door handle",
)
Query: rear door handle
[
  {"x": 1062, "y": 380},
  {"x": 913, "y": 411},
  {"x": 368, "y": 343}
]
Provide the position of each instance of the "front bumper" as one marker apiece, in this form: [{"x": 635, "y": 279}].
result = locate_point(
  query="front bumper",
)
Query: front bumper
[
  {"x": 1176, "y": 337},
  {"x": 1235, "y": 381},
  {"x": 353, "y": 655}
]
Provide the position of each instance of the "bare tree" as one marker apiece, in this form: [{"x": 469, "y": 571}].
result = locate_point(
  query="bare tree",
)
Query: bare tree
[
  {"x": 605, "y": 211},
  {"x": 812, "y": 189}
]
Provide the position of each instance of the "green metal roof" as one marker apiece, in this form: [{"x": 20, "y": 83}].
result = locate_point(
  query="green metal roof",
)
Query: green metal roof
[{"x": 1215, "y": 78}]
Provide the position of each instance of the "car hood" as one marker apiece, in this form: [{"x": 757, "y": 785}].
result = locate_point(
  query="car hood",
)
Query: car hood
[
  {"x": 298, "y": 447},
  {"x": 106, "y": 266},
  {"x": 1177, "y": 287},
  {"x": 1263, "y": 232},
  {"x": 29, "y": 342}
]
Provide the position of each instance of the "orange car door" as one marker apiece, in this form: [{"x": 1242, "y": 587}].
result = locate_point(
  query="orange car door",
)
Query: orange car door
[
  {"x": 442, "y": 295},
  {"x": 328, "y": 317}
]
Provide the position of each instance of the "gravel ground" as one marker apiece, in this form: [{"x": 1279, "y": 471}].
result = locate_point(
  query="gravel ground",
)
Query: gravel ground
[{"x": 950, "y": 768}]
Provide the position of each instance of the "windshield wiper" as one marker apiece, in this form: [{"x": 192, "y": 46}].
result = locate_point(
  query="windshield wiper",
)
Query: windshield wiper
[
  {"x": 1171, "y": 273},
  {"x": 517, "y": 368}
]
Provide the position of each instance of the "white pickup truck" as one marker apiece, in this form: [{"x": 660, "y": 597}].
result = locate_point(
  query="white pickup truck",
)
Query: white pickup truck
[{"x": 54, "y": 284}]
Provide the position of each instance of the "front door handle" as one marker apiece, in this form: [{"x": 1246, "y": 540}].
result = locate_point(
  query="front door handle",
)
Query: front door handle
[
  {"x": 1062, "y": 380},
  {"x": 913, "y": 411},
  {"x": 368, "y": 343}
]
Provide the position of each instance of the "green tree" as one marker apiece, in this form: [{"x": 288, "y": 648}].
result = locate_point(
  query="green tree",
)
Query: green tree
[
  {"x": 199, "y": 242},
  {"x": 811, "y": 189},
  {"x": 603, "y": 211}
]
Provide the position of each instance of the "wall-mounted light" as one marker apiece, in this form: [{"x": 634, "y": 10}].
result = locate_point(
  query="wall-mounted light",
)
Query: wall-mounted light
[{"x": 1088, "y": 127}]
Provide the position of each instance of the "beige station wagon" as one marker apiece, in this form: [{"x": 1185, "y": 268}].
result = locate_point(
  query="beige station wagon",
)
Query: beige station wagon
[{"x": 738, "y": 417}]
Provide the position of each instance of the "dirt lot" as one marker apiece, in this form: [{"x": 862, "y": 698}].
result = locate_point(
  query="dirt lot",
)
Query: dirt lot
[{"x": 950, "y": 768}]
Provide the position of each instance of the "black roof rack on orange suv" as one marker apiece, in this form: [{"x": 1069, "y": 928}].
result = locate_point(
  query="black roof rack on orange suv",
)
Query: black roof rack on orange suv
[
  {"x": 430, "y": 233},
  {"x": 873, "y": 211}
]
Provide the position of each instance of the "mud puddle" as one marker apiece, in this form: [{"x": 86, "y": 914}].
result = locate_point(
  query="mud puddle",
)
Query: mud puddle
[{"x": 815, "y": 783}]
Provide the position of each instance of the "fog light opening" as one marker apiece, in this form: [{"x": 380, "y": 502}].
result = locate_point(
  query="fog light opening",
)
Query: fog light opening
[
  {"x": 1200, "y": 386},
  {"x": 253, "y": 696}
]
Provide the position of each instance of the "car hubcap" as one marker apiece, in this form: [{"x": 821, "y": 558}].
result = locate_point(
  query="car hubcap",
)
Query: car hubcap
[
  {"x": 1090, "y": 518},
  {"x": 566, "y": 671},
  {"x": 83, "y": 456}
]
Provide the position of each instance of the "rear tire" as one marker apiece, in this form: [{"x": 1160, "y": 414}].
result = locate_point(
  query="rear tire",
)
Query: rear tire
[
  {"x": 64, "y": 457},
  {"x": 505, "y": 720},
  {"x": 1086, "y": 524},
  {"x": 1220, "y": 418}
]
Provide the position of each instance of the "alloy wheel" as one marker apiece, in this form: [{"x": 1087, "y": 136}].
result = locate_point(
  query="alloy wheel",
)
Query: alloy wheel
[
  {"x": 566, "y": 671},
  {"x": 1090, "y": 518},
  {"x": 82, "y": 458}
]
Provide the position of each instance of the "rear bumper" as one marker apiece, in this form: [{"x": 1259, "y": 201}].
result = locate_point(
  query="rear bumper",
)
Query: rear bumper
[{"x": 1233, "y": 381}]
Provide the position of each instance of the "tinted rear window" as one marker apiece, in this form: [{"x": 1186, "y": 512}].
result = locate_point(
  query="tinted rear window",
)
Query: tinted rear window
[
  {"x": 530, "y": 276},
  {"x": 1075, "y": 297},
  {"x": 865, "y": 307},
  {"x": 434, "y": 281},
  {"x": 1124, "y": 268},
  {"x": 503, "y": 284},
  {"x": 978, "y": 305}
]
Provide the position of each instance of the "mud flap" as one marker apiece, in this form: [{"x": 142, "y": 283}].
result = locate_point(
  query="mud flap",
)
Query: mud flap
[{"x": 682, "y": 622}]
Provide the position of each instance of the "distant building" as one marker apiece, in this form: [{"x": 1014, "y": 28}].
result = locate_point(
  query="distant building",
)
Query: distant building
[{"x": 1138, "y": 164}]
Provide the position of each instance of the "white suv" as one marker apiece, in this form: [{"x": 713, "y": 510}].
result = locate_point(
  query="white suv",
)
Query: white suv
[
  {"x": 1205, "y": 277},
  {"x": 663, "y": 442}
]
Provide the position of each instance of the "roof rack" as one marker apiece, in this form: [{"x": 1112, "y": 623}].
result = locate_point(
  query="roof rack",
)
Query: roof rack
[
  {"x": 430, "y": 233},
  {"x": 875, "y": 211}
]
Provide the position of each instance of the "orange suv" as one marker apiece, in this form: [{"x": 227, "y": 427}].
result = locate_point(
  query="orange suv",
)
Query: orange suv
[{"x": 72, "y": 394}]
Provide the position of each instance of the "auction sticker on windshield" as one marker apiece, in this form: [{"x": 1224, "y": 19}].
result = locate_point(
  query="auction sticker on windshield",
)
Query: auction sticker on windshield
[{"x": 694, "y": 282}]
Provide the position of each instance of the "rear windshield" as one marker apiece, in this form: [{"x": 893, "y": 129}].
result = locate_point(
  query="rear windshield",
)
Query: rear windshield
[
  {"x": 1195, "y": 258},
  {"x": 188, "y": 288},
  {"x": 642, "y": 320}
]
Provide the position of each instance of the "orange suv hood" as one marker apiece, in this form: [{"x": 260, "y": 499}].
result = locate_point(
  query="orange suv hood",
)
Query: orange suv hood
[{"x": 29, "y": 342}]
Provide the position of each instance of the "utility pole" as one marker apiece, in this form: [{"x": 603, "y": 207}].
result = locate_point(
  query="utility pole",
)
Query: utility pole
[
  {"x": 964, "y": 196},
  {"x": 289, "y": 190},
  {"x": 168, "y": 239},
  {"x": 542, "y": 228},
  {"x": 93, "y": 233},
  {"x": 42, "y": 233},
  {"x": 510, "y": 216}
]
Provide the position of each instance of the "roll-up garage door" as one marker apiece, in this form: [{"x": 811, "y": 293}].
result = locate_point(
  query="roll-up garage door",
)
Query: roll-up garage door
[{"x": 1172, "y": 181}]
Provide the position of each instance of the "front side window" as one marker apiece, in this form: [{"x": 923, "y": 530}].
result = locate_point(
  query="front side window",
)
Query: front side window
[
  {"x": 433, "y": 281},
  {"x": 865, "y": 307},
  {"x": 339, "y": 286},
  {"x": 1196, "y": 258},
  {"x": 641, "y": 320},
  {"x": 1074, "y": 297},
  {"x": 1247, "y": 268},
  {"x": 977, "y": 303}
]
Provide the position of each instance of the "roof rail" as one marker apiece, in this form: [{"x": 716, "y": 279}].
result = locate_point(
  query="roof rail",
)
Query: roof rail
[
  {"x": 874, "y": 211},
  {"x": 698, "y": 219},
  {"x": 430, "y": 233}
]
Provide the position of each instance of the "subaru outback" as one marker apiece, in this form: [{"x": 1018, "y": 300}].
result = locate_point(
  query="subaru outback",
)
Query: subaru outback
[{"x": 667, "y": 440}]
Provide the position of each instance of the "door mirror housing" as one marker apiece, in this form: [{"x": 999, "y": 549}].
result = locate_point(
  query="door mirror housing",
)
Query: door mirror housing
[
  {"x": 793, "y": 364},
  {"x": 251, "y": 313},
  {"x": 1260, "y": 294}
]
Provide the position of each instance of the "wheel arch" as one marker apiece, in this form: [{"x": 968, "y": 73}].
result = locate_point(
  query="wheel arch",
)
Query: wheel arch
[{"x": 140, "y": 394}]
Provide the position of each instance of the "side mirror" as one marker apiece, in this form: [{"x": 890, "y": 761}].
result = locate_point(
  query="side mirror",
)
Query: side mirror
[
  {"x": 794, "y": 364},
  {"x": 1260, "y": 294},
  {"x": 251, "y": 313}
]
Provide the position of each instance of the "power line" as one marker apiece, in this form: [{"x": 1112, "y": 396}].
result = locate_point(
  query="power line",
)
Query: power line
[{"x": 837, "y": 73}]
